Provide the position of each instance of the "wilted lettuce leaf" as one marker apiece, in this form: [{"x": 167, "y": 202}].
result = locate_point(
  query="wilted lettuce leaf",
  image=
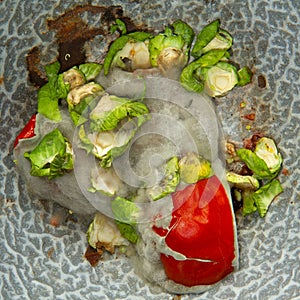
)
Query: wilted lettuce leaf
[
  {"x": 245, "y": 76},
  {"x": 204, "y": 37},
  {"x": 189, "y": 77},
  {"x": 265, "y": 195},
  {"x": 119, "y": 44},
  {"x": 255, "y": 163},
  {"x": 90, "y": 70},
  {"x": 51, "y": 92},
  {"x": 112, "y": 109},
  {"x": 125, "y": 213},
  {"x": 52, "y": 157},
  {"x": 261, "y": 199},
  {"x": 169, "y": 182}
]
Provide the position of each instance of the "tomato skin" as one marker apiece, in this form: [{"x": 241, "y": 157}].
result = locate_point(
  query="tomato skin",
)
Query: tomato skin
[
  {"x": 202, "y": 228},
  {"x": 27, "y": 131},
  {"x": 193, "y": 272}
]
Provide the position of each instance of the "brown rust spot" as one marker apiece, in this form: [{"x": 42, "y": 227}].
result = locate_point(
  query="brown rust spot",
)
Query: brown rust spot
[
  {"x": 1, "y": 80},
  {"x": 72, "y": 31},
  {"x": 50, "y": 252},
  {"x": 251, "y": 142},
  {"x": 36, "y": 75},
  {"x": 250, "y": 116},
  {"x": 261, "y": 81},
  {"x": 285, "y": 172},
  {"x": 92, "y": 256}
]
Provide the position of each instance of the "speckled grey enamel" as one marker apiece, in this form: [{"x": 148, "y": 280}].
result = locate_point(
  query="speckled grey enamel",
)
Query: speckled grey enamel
[{"x": 39, "y": 261}]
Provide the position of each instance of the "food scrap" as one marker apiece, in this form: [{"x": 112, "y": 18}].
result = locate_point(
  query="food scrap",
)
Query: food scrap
[{"x": 196, "y": 245}]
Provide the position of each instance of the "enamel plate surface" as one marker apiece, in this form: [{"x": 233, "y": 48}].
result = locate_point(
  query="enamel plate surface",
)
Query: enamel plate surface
[{"x": 40, "y": 261}]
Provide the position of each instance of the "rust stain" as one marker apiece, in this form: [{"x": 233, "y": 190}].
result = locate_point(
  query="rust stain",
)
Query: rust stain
[
  {"x": 250, "y": 116},
  {"x": 72, "y": 32},
  {"x": 92, "y": 256}
]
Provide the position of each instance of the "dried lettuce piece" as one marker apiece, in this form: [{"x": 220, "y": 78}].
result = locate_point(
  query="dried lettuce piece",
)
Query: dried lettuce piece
[
  {"x": 103, "y": 232},
  {"x": 243, "y": 182}
]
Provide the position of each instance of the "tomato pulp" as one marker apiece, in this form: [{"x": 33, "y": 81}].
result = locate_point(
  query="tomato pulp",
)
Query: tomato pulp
[{"x": 202, "y": 230}]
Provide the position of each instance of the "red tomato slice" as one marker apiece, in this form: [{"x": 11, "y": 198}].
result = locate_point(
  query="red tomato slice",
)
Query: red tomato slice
[
  {"x": 27, "y": 131},
  {"x": 202, "y": 228}
]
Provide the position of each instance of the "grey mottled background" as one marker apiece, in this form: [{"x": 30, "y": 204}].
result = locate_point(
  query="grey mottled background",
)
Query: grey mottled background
[{"x": 39, "y": 261}]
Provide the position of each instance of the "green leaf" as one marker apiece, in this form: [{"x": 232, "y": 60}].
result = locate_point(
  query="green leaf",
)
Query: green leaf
[
  {"x": 265, "y": 195},
  {"x": 128, "y": 232},
  {"x": 52, "y": 157},
  {"x": 90, "y": 70},
  {"x": 104, "y": 119},
  {"x": 125, "y": 213},
  {"x": 124, "y": 210},
  {"x": 169, "y": 182},
  {"x": 255, "y": 163},
  {"x": 48, "y": 103},
  {"x": 51, "y": 92},
  {"x": 185, "y": 31},
  {"x": 139, "y": 36},
  {"x": 245, "y": 76},
  {"x": 189, "y": 80},
  {"x": 76, "y": 111},
  {"x": 204, "y": 37},
  {"x": 222, "y": 41},
  {"x": 248, "y": 203},
  {"x": 211, "y": 57},
  {"x": 115, "y": 47},
  {"x": 120, "y": 25},
  {"x": 52, "y": 70}
]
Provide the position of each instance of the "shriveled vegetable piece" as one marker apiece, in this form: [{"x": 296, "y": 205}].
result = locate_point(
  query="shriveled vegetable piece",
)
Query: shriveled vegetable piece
[
  {"x": 189, "y": 78},
  {"x": 171, "y": 47},
  {"x": 112, "y": 109},
  {"x": 222, "y": 40},
  {"x": 119, "y": 44},
  {"x": 256, "y": 164},
  {"x": 194, "y": 167},
  {"x": 74, "y": 77},
  {"x": 51, "y": 92},
  {"x": 220, "y": 79},
  {"x": 90, "y": 70},
  {"x": 265, "y": 195},
  {"x": 77, "y": 94},
  {"x": 103, "y": 232},
  {"x": 105, "y": 180},
  {"x": 125, "y": 213},
  {"x": 242, "y": 182},
  {"x": 52, "y": 157},
  {"x": 107, "y": 145},
  {"x": 267, "y": 150},
  {"x": 169, "y": 182},
  {"x": 204, "y": 37}
]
